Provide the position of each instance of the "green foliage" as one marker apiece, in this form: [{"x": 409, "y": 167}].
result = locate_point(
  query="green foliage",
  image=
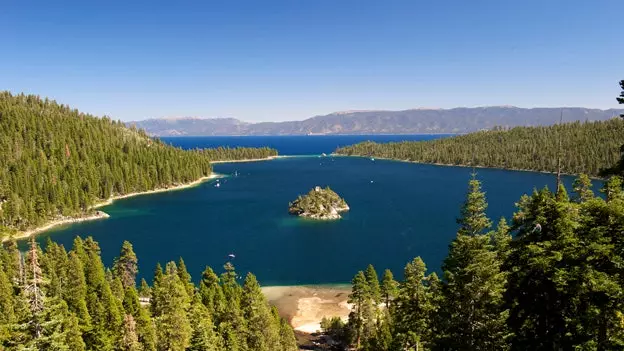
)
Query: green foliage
[
  {"x": 126, "y": 266},
  {"x": 84, "y": 311},
  {"x": 238, "y": 153},
  {"x": 587, "y": 147},
  {"x": 56, "y": 161},
  {"x": 318, "y": 203}
]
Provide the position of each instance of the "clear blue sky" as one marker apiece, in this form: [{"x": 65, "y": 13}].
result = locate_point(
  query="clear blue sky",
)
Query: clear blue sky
[{"x": 282, "y": 60}]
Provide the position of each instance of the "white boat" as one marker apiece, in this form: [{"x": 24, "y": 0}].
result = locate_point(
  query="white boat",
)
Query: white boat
[
  {"x": 217, "y": 185},
  {"x": 232, "y": 255}
]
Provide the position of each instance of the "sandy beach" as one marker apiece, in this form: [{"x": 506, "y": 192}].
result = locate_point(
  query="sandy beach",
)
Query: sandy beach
[
  {"x": 305, "y": 306},
  {"x": 102, "y": 215}
]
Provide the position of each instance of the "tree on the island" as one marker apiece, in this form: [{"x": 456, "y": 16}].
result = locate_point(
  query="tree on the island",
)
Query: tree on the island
[
  {"x": 470, "y": 314},
  {"x": 126, "y": 265}
]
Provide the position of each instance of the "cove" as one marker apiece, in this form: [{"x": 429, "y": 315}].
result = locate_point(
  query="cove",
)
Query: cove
[{"x": 398, "y": 211}]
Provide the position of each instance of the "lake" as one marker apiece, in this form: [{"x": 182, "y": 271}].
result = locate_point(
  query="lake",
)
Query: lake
[{"x": 398, "y": 211}]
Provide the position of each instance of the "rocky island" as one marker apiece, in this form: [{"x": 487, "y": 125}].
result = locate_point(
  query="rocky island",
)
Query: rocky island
[{"x": 319, "y": 203}]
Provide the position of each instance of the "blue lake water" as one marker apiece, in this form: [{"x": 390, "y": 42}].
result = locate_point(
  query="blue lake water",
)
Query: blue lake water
[{"x": 398, "y": 211}]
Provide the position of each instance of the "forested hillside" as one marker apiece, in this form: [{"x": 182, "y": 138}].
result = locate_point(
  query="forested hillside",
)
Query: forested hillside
[
  {"x": 557, "y": 285},
  {"x": 585, "y": 148},
  {"x": 56, "y": 161},
  {"x": 56, "y": 300},
  {"x": 239, "y": 153}
]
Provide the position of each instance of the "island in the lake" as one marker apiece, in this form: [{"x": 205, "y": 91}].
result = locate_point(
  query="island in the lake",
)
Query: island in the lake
[{"x": 319, "y": 203}]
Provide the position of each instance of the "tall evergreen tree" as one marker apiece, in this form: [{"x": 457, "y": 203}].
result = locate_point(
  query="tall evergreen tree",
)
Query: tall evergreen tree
[
  {"x": 262, "y": 331},
  {"x": 172, "y": 323},
  {"x": 126, "y": 265},
  {"x": 389, "y": 288},
  {"x": 471, "y": 309},
  {"x": 359, "y": 297},
  {"x": 412, "y": 309}
]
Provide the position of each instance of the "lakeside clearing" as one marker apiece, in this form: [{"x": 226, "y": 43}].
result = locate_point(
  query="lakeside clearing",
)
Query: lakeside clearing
[
  {"x": 101, "y": 214},
  {"x": 305, "y": 306}
]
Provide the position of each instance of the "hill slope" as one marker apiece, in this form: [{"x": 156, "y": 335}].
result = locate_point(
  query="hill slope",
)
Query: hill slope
[
  {"x": 585, "y": 148},
  {"x": 57, "y": 162},
  {"x": 457, "y": 120}
]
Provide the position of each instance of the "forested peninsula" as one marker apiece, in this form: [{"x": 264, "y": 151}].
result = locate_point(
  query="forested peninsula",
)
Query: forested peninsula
[
  {"x": 53, "y": 299},
  {"x": 57, "y": 163},
  {"x": 585, "y": 147}
]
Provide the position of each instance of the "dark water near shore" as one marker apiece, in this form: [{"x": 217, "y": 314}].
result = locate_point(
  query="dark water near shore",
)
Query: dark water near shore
[{"x": 398, "y": 211}]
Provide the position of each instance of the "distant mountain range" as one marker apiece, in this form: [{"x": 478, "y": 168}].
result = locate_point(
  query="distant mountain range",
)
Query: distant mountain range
[{"x": 416, "y": 121}]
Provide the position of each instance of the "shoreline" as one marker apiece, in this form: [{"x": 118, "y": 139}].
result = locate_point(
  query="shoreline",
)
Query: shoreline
[
  {"x": 101, "y": 214},
  {"x": 304, "y": 306},
  {"x": 465, "y": 166},
  {"x": 249, "y": 159}
]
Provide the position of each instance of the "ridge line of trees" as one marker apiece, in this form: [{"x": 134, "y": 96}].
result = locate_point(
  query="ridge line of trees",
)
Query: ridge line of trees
[
  {"x": 57, "y": 162},
  {"x": 53, "y": 299},
  {"x": 586, "y": 147}
]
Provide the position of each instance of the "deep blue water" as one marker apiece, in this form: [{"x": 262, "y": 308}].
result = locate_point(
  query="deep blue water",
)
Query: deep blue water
[
  {"x": 398, "y": 211},
  {"x": 293, "y": 145}
]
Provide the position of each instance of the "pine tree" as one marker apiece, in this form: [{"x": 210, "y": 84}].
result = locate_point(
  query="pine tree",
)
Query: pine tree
[
  {"x": 146, "y": 330},
  {"x": 389, "y": 288},
  {"x": 359, "y": 297},
  {"x": 185, "y": 278},
  {"x": 582, "y": 188},
  {"x": 144, "y": 289},
  {"x": 412, "y": 308},
  {"x": 536, "y": 294},
  {"x": 471, "y": 309},
  {"x": 75, "y": 292},
  {"x": 288, "y": 342},
  {"x": 172, "y": 323},
  {"x": 263, "y": 333},
  {"x": 373, "y": 283},
  {"x": 7, "y": 316},
  {"x": 129, "y": 338},
  {"x": 126, "y": 266},
  {"x": 73, "y": 335},
  {"x": 204, "y": 337}
]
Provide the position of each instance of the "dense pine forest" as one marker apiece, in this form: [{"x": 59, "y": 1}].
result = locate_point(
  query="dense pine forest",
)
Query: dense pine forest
[
  {"x": 557, "y": 285},
  {"x": 56, "y": 161},
  {"x": 586, "y": 147},
  {"x": 57, "y": 300},
  {"x": 239, "y": 153}
]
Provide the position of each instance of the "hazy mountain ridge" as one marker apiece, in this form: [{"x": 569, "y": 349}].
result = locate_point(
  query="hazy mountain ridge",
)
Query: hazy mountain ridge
[{"x": 413, "y": 121}]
